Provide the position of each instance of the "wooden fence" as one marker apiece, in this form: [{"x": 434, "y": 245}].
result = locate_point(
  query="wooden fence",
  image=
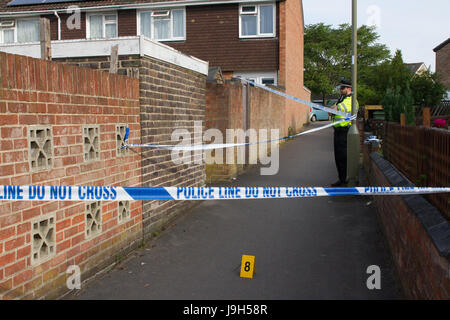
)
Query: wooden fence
[
  {"x": 422, "y": 154},
  {"x": 440, "y": 111}
]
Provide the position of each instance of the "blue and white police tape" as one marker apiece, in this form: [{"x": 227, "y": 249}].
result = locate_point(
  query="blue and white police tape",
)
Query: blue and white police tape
[
  {"x": 309, "y": 104},
  {"x": 184, "y": 147},
  {"x": 104, "y": 193}
]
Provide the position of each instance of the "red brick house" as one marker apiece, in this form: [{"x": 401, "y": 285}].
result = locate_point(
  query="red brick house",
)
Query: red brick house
[
  {"x": 260, "y": 40},
  {"x": 443, "y": 63},
  {"x": 253, "y": 38}
]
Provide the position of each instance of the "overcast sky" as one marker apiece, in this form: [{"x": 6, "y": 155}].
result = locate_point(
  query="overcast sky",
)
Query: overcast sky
[{"x": 415, "y": 27}]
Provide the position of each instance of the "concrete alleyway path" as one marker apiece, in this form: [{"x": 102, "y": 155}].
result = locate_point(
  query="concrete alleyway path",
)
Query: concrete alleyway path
[{"x": 311, "y": 248}]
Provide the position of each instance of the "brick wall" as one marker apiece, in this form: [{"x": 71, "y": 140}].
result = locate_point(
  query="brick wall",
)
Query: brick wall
[
  {"x": 418, "y": 235},
  {"x": 225, "y": 110},
  {"x": 126, "y": 21},
  {"x": 66, "y": 33},
  {"x": 170, "y": 98},
  {"x": 442, "y": 65},
  {"x": 291, "y": 63},
  {"x": 44, "y": 108}
]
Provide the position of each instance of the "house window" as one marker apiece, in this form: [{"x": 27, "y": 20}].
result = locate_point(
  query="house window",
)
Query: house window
[
  {"x": 163, "y": 25},
  {"x": 8, "y": 35},
  {"x": 268, "y": 81},
  {"x": 262, "y": 77},
  {"x": 20, "y": 30},
  {"x": 102, "y": 26},
  {"x": 257, "y": 21}
]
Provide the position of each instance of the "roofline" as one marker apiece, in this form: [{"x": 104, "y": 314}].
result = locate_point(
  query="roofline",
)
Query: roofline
[
  {"x": 165, "y": 4},
  {"x": 416, "y": 63},
  {"x": 443, "y": 44}
]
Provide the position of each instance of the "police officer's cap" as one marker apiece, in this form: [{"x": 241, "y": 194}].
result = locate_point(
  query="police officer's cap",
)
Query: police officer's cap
[{"x": 345, "y": 83}]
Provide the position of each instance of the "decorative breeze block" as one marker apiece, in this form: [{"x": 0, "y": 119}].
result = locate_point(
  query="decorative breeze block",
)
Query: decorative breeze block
[
  {"x": 93, "y": 219},
  {"x": 43, "y": 240},
  {"x": 91, "y": 141},
  {"x": 124, "y": 211},
  {"x": 120, "y": 140},
  {"x": 40, "y": 148}
]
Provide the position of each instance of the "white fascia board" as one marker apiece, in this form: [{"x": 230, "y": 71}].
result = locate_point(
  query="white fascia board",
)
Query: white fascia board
[
  {"x": 94, "y": 47},
  {"x": 76, "y": 48},
  {"x": 31, "y": 49},
  {"x": 153, "y": 5},
  {"x": 135, "y": 45},
  {"x": 157, "y": 50}
]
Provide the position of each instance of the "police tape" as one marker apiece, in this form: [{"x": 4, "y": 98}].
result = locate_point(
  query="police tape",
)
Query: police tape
[
  {"x": 184, "y": 147},
  {"x": 309, "y": 104},
  {"x": 112, "y": 193}
]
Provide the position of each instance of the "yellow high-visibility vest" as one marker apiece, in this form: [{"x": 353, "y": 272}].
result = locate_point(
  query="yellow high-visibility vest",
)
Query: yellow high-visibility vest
[{"x": 344, "y": 106}]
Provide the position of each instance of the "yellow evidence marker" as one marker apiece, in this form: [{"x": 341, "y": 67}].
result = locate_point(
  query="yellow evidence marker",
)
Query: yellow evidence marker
[{"x": 247, "y": 266}]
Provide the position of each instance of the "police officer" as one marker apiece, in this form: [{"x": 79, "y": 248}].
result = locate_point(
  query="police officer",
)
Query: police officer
[{"x": 344, "y": 104}]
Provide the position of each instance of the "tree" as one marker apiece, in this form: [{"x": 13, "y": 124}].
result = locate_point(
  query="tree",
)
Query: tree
[
  {"x": 399, "y": 72},
  {"x": 322, "y": 61},
  {"x": 427, "y": 90},
  {"x": 388, "y": 102},
  {"x": 389, "y": 73},
  {"x": 328, "y": 55},
  {"x": 404, "y": 90},
  {"x": 397, "y": 101},
  {"x": 410, "y": 114}
]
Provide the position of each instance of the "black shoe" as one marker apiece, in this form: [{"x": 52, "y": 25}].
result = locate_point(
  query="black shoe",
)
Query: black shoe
[{"x": 339, "y": 184}]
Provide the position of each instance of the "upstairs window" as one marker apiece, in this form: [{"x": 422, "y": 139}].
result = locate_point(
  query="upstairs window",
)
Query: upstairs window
[
  {"x": 102, "y": 26},
  {"x": 163, "y": 25},
  {"x": 257, "y": 21},
  {"x": 20, "y": 30}
]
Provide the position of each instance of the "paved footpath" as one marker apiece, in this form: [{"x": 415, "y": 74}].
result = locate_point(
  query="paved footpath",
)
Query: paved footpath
[{"x": 311, "y": 248}]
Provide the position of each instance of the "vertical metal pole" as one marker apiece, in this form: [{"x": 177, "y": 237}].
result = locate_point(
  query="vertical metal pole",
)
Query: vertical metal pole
[
  {"x": 353, "y": 134},
  {"x": 355, "y": 57}
]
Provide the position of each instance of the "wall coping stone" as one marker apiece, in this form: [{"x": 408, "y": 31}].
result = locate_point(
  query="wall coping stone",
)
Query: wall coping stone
[
  {"x": 436, "y": 226},
  {"x": 133, "y": 45}
]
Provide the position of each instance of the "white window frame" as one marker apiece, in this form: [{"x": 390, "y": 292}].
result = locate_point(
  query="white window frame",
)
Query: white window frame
[
  {"x": 258, "y": 76},
  {"x": 15, "y": 30},
  {"x": 152, "y": 29},
  {"x": 104, "y": 23},
  {"x": 2, "y": 39},
  {"x": 258, "y": 20}
]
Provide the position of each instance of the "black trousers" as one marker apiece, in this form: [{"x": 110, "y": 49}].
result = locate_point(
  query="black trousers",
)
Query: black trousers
[{"x": 340, "y": 151}]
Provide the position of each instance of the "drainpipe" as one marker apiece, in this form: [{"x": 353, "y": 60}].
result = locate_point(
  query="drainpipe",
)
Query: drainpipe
[{"x": 59, "y": 24}]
